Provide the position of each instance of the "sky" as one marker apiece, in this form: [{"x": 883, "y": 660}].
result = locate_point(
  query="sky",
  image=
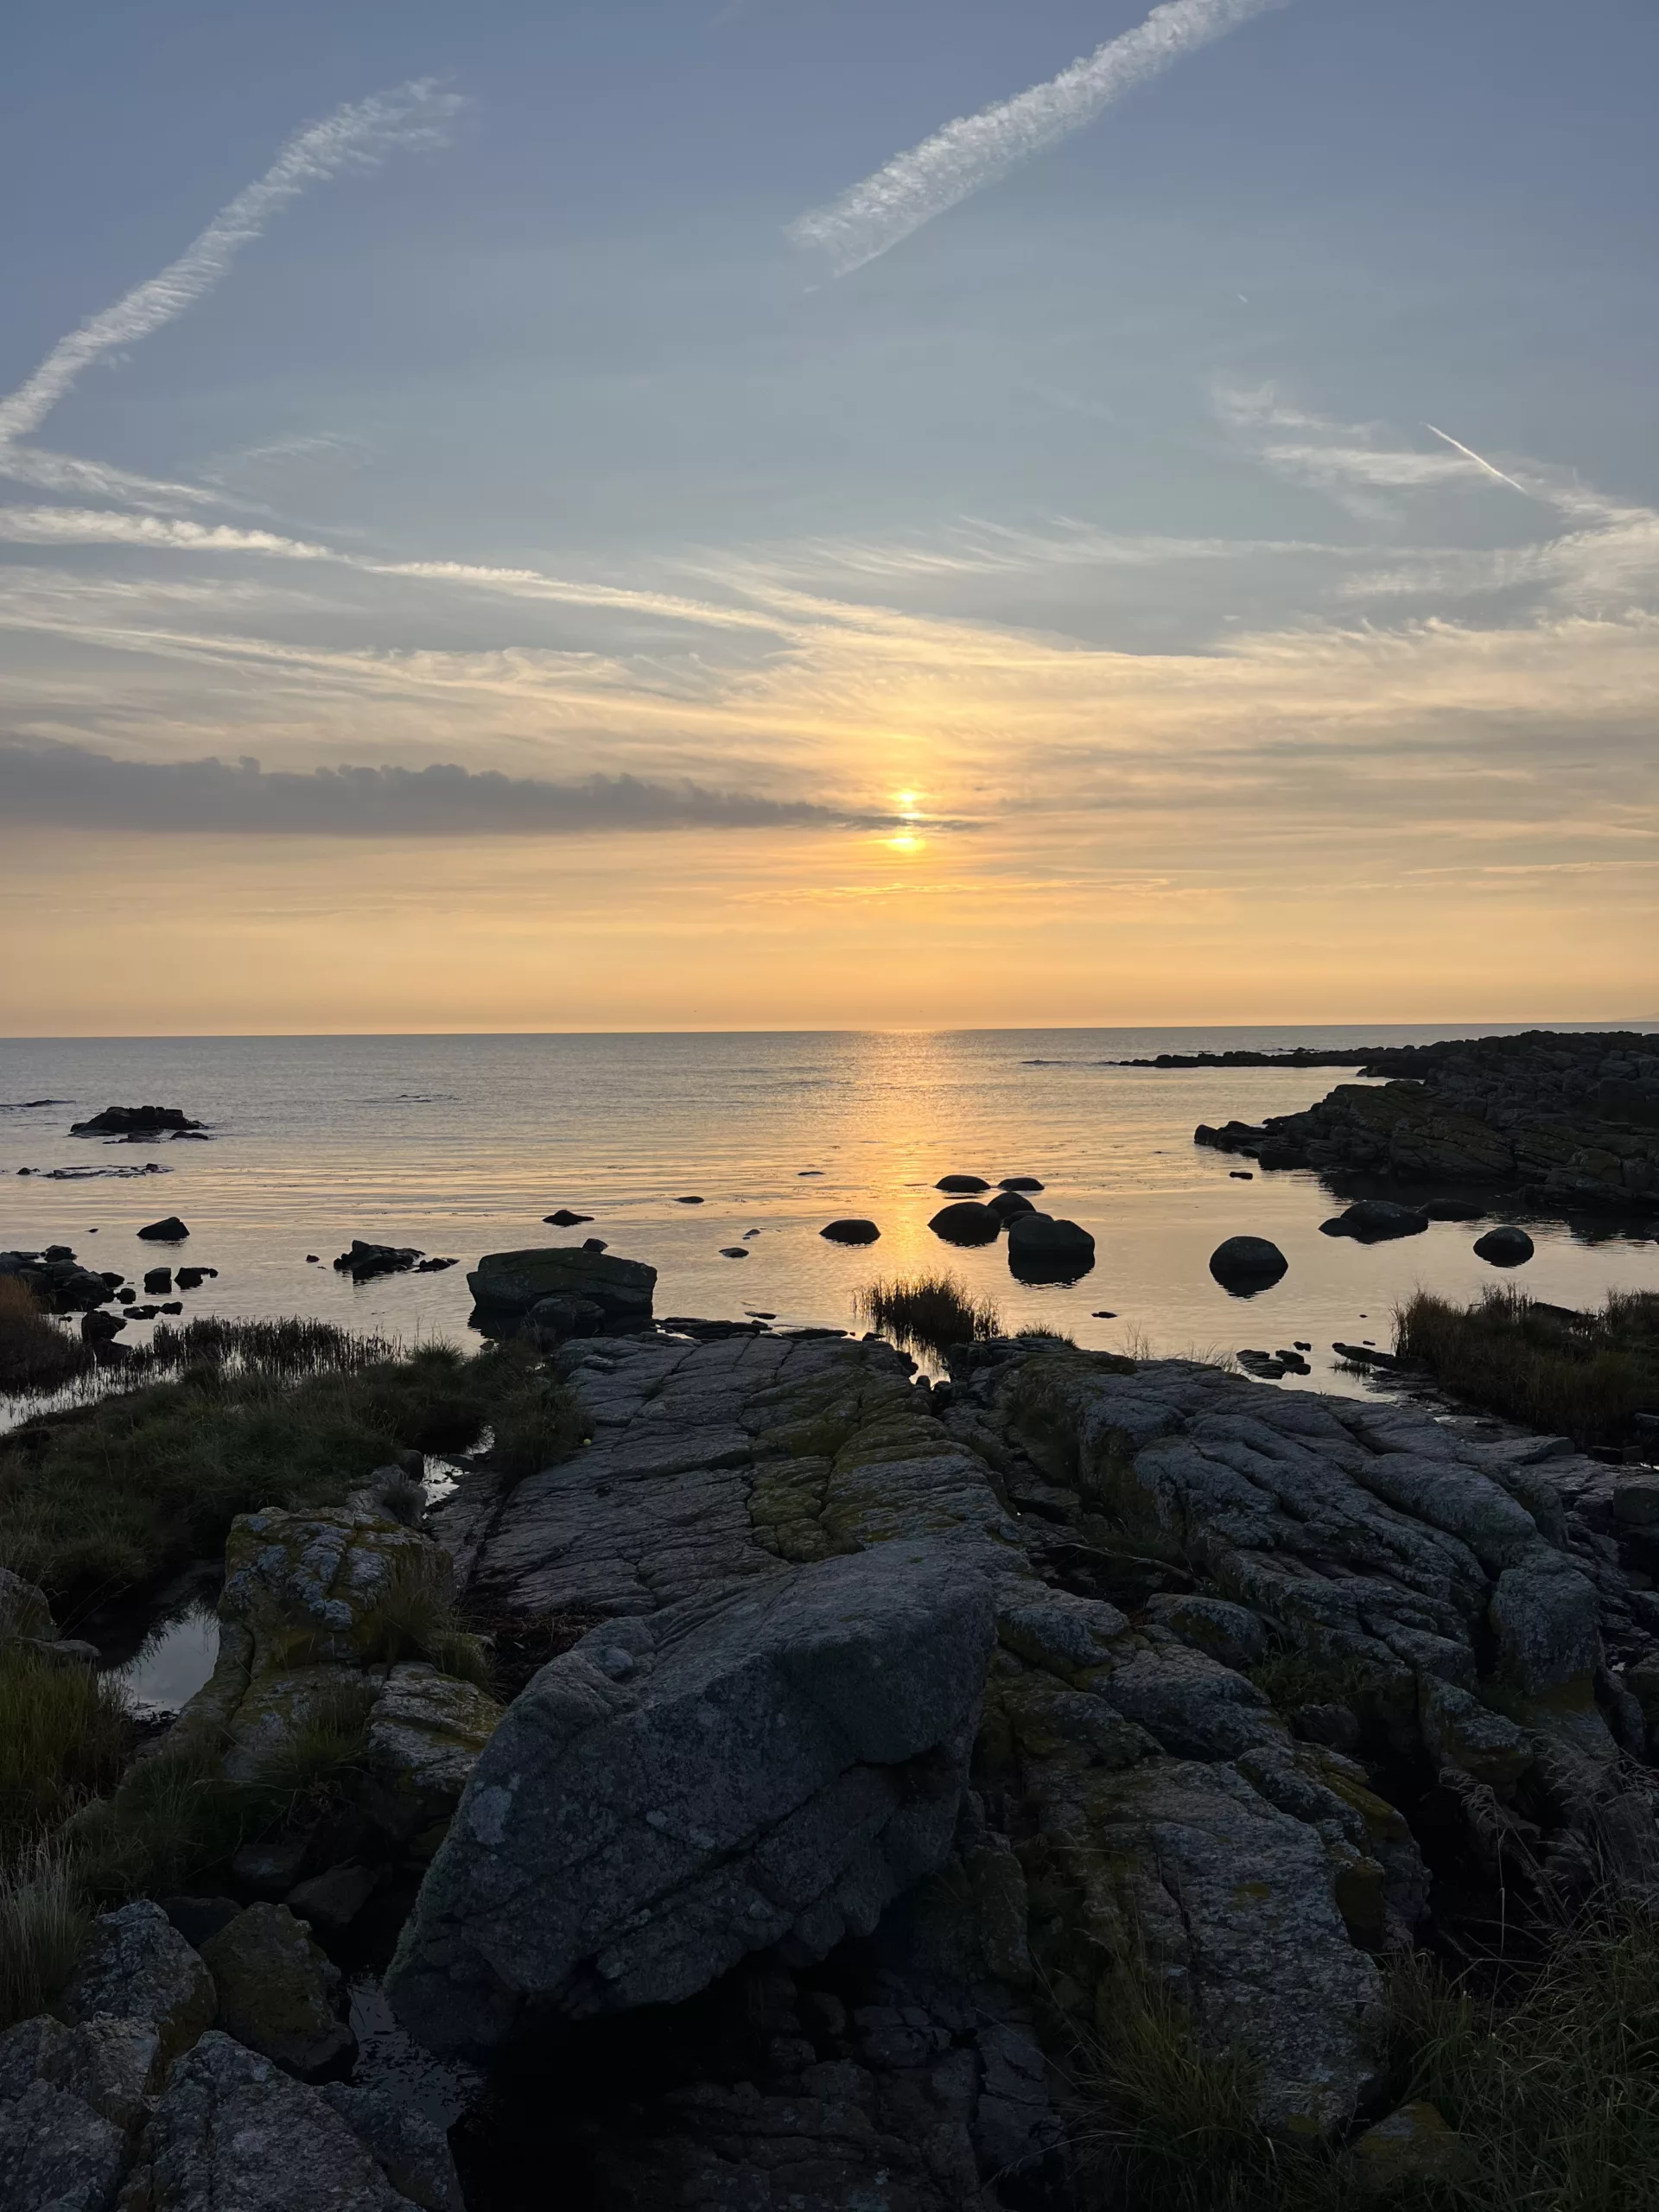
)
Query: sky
[{"x": 632, "y": 514}]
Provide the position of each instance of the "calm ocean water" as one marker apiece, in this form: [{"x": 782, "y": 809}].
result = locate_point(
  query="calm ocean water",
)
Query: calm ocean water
[{"x": 460, "y": 1146}]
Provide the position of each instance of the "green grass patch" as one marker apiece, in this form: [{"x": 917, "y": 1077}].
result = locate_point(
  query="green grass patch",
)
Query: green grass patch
[
  {"x": 928, "y": 1313},
  {"x": 1583, "y": 1374},
  {"x": 65, "y": 1736},
  {"x": 105, "y": 1497}
]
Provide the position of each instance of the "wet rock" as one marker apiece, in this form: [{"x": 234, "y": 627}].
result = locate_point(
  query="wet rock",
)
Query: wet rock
[
  {"x": 171, "y": 1230},
  {"x": 278, "y": 1994},
  {"x": 158, "y": 1282},
  {"x": 135, "y": 1966},
  {"x": 508, "y": 1284},
  {"x": 850, "y": 1231},
  {"x": 233, "y": 2133},
  {"x": 690, "y": 1199},
  {"x": 554, "y": 1320},
  {"x": 191, "y": 1278},
  {"x": 1245, "y": 1265},
  {"x": 1505, "y": 1247},
  {"x": 564, "y": 1219},
  {"x": 733, "y": 1251},
  {"x": 766, "y": 1763},
  {"x": 1019, "y": 1183},
  {"x": 134, "y": 1121},
  {"x": 967, "y": 1221},
  {"x": 1008, "y": 1205},
  {"x": 1043, "y": 1250},
  {"x": 365, "y": 1263},
  {"x": 964, "y": 1186},
  {"x": 1373, "y": 1221}
]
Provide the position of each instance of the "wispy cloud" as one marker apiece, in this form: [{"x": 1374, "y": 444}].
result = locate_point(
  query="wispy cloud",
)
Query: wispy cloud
[
  {"x": 977, "y": 150},
  {"x": 356, "y": 137},
  {"x": 72, "y": 786}
]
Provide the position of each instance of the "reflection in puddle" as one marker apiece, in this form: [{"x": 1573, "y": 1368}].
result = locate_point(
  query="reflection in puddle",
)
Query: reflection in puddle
[
  {"x": 172, "y": 1663},
  {"x": 442, "y": 1475}
]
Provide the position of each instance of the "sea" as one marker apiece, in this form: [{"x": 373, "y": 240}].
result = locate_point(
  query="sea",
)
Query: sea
[{"x": 461, "y": 1145}]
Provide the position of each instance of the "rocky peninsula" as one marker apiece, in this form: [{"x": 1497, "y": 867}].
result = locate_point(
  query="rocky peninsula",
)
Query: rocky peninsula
[{"x": 1561, "y": 1118}]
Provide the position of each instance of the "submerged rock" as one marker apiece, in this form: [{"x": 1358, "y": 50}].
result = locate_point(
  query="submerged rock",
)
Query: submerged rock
[
  {"x": 1375, "y": 1220},
  {"x": 135, "y": 1121},
  {"x": 965, "y": 1185},
  {"x": 171, "y": 1230}
]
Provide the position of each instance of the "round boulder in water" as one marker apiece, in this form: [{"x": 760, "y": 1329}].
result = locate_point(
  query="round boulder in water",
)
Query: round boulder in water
[
  {"x": 966, "y": 1223},
  {"x": 1008, "y": 1205},
  {"x": 170, "y": 1232},
  {"x": 1374, "y": 1220},
  {"x": 1244, "y": 1265},
  {"x": 1508, "y": 1246},
  {"x": 968, "y": 1183},
  {"x": 1019, "y": 1183},
  {"x": 850, "y": 1232},
  {"x": 1042, "y": 1250}
]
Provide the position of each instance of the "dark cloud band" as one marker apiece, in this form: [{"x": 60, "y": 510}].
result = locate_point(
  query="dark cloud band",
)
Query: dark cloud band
[{"x": 70, "y": 786}]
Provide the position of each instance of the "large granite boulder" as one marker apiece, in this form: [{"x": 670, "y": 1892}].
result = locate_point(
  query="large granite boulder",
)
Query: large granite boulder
[
  {"x": 771, "y": 1762},
  {"x": 507, "y": 1284},
  {"x": 278, "y": 1992}
]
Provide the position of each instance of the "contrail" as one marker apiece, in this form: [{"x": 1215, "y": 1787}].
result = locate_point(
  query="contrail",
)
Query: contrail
[
  {"x": 977, "y": 150},
  {"x": 1469, "y": 454},
  {"x": 358, "y": 136}
]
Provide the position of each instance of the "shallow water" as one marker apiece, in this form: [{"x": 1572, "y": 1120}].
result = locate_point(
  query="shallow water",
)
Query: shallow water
[
  {"x": 460, "y": 1146},
  {"x": 171, "y": 1664}
]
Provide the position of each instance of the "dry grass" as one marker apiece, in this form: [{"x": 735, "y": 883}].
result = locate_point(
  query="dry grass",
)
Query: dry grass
[
  {"x": 34, "y": 1353},
  {"x": 928, "y": 1313},
  {"x": 1583, "y": 1375},
  {"x": 281, "y": 1350}
]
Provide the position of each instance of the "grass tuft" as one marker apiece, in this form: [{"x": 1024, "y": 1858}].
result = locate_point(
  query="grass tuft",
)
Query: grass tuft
[
  {"x": 44, "y": 1918},
  {"x": 1583, "y": 1374},
  {"x": 414, "y": 1620},
  {"x": 34, "y": 1353},
  {"x": 65, "y": 1736},
  {"x": 928, "y": 1313}
]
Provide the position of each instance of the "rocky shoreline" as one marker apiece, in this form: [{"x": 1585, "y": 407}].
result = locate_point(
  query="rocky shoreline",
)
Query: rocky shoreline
[
  {"x": 888, "y": 1736},
  {"x": 1558, "y": 1119}
]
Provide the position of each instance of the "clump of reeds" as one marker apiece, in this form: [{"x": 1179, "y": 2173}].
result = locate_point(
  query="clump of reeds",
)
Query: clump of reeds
[
  {"x": 928, "y": 1313},
  {"x": 1583, "y": 1373},
  {"x": 414, "y": 1618},
  {"x": 284, "y": 1349},
  {"x": 34, "y": 1353}
]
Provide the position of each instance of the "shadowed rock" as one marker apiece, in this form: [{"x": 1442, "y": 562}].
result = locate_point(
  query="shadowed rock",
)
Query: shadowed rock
[
  {"x": 967, "y": 1221},
  {"x": 1043, "y": 1250},
  {"x": 1505, "y": 1247},
  {"x": 1244, "y": 1265},
  {"x": 850, "y": 1231}
]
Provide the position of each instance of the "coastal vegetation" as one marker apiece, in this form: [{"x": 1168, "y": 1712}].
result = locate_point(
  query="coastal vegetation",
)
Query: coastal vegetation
[
  {"x": 1583, "y": 1374},
  {"x": 106, "y": 1496},
  {"x": 927, "y": 1313},
  {"x": 34, "y": 1353}
]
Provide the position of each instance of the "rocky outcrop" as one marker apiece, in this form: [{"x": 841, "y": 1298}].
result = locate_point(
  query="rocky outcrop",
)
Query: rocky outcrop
[
  {"x": 505, "y": 1286},
  {"x": 136, "y": 1122},
  {"x": 1212, "y": 1645},
  {"x": 1566, "y": 1118}
]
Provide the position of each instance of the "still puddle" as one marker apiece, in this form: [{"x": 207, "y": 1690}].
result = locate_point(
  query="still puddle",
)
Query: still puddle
[{"x": 172, "y": 1663}]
